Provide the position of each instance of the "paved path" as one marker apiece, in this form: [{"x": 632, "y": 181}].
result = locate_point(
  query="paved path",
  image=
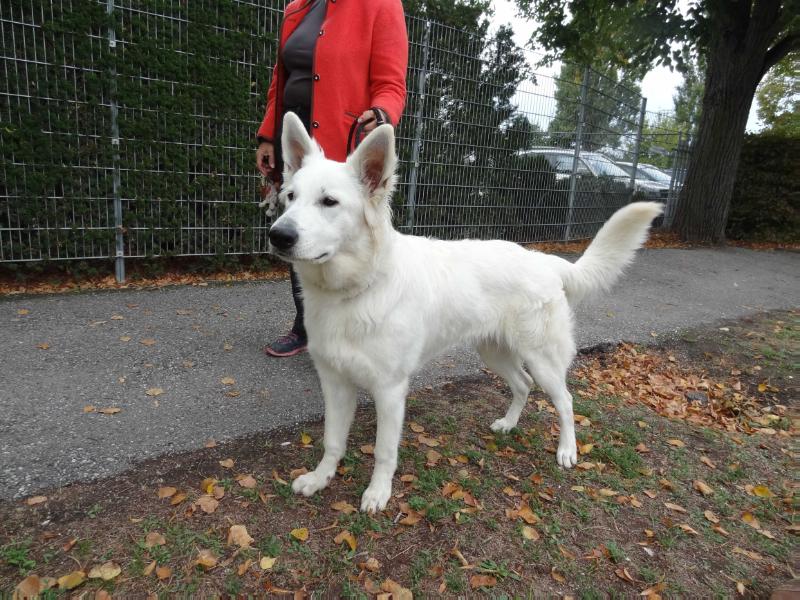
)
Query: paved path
[{"x": 203, "y": 334}]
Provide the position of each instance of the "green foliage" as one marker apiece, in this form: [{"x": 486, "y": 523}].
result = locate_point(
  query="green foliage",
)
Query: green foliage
[
  {"x": 778, "y": 97},
  {"x": 766, "y": 198},
  {"x": 187, "y": 109}
]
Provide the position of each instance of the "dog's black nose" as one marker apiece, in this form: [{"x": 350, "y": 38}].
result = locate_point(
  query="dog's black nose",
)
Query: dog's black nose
[{"x": 283, "y": 238}]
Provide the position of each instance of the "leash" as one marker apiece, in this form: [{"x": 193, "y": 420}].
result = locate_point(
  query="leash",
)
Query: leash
[{"x": 357, "y": 133}]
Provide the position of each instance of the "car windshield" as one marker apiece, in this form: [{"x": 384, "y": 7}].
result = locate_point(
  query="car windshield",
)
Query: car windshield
[
  {"x": 655, "y": 174},
  {"x": 603, "y": 166}
]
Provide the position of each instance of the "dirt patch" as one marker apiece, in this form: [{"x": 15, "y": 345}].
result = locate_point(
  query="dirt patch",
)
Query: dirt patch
[{"x": 671, "y": 505}]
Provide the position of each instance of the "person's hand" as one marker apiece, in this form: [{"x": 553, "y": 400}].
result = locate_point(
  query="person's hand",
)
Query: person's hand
[
  {"x": 265, "y": 158},
  {"x": 366, "y": 116}
]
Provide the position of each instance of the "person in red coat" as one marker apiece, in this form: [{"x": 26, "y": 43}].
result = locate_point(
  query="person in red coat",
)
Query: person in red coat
[{"x": 341, "y": 66}]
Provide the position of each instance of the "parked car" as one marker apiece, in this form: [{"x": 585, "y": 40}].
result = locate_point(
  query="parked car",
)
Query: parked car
[{"x": 649, "y": 176}]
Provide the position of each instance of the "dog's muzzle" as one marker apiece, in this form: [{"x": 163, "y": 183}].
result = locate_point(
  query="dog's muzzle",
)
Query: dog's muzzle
[{"x": 283, "y": 238}]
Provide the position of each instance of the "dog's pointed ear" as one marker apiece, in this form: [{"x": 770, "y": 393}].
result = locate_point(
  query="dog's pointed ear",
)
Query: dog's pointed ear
[
  {"x": 374, "y": 160},
  {"x": 296, "y": 144}
]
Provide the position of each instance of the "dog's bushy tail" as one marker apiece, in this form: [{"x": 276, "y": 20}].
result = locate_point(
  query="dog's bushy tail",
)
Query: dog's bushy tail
[{"x": 612, "y": 249}]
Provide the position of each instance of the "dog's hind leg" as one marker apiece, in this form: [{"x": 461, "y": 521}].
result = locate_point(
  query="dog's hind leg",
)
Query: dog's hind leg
[
  {"x": 340, "y": 406},
  {"x": 390, "y": 405},
  {"x": 508, "y": 366},
  {"x": 549, "y": 369}
]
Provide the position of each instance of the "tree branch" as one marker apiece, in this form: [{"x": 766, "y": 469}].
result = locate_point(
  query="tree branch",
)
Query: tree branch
[{"x": 789, "y": 43}]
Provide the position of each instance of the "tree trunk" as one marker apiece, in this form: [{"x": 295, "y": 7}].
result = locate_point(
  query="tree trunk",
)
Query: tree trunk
[{"x": 735, "y": 65}]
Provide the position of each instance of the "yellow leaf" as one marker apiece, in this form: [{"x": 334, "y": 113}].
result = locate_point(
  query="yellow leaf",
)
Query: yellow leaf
[
  {"x": 762, "y": 491},
  {"x": 166, "y": 492},
  {"x": 300, "y": 533},
  {"x": 751, "y": 520},
  {"x": 237, "y": 535},
  {"x": 163, "y": 573},
  {"x": 71, "y": 581},
  {"x": 586, "y": 448},
  {"x": 702, "y": 487},
  {"x": 305, "y": 439},
  {"x": 107, "y": 571},
  {"x": 529, "y": 533},
  {"x": 266, "y": 563},
  {"x": 346, "y": 536},
  {"x": 397, "y": 591},
  {"x": 22, "y": 311},
  {"x": 43, "y": 346},
  {"x": 156, "y": 391},
  {"x": 206, "y": 559},
  {"x": 676, "y": 443}
]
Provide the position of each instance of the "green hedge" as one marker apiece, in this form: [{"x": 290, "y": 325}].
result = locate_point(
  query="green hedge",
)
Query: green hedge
[{"x": 766, "y": 198}]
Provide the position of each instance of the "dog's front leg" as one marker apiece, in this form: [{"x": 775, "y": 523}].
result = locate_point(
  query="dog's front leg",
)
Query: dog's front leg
[
  {"x": 340, "y": 406},
  {"x": 390, "y": 404}
]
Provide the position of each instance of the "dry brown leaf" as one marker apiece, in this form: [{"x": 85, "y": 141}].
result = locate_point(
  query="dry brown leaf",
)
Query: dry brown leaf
[
  {"x": 206, "y": 559},
  {"x": 416, "y": 427},
  {"x": 557, "y": 576},
  {"x": 34, "y": 500},
  {"x": 112, "y": 410},
  {"x": 623, "y": 574},
  {"x": 211, "y": 443},
  {"x": 711, "y": 516},
  {"x": 530, "y": 533},
  {"x": 155, "y": 391},
  {"x": 238, "y": 536},
  {"x": 585, "y": 448},
  {"x": 346, "y": 536},
  {"x": 117, "y": 318},
  {"x": 688, "y": 529},
  {"x": 650, "y": 494},
  {"x": 163, "y": 573},
  {"x": 344, "y": 507},
  {"x": 751, "y": 520},
  {"x": 148, "y": 570},
  {"x": 702, "y": 487},
  {"x": 228, "y": 381},
  {"x": 301, "y": 533},
  {"x": 372, "y": 565},
  {"x": 154, "y": 538},
  {"x": 432, "y": 457},
  {"x": 708, "y": 462},
  {"x": 147, "y": 341},
  {"x": 30, "y": 587},
  {"x": 397, "y": 591},
  {"x": 125, "y": 338},
  {"x": 720, "y": 530},
  {"x": 654, "y": 590},
  {"x": 675, "y": 507},
  {"x": 247, "y": 481},
  {"x": 107, "y": 571},
  {"x": 428, "y": 441},
  {"x": 178, "y": 498},
  {"x": 43, "y": 346},
  {"x": 207, "y": 504},
  {"x": 166, "y": 492},
  {"x": 367, "y": 449},
  {"x": 227, "y": 463},
  {"x": 676, "y": 443},
  {"x": 479, "y": 581},
  {"x": 748, "y": 553}
]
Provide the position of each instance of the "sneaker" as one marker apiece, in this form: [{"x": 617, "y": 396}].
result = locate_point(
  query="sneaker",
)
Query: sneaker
[{"x": 287, "y": 345}]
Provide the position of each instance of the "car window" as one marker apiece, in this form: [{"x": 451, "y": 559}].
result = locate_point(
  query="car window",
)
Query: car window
[
  {"x": 562, "y": 163},
  {"x": 655, "y": 174},
  {"x": 604, "y": 167}
]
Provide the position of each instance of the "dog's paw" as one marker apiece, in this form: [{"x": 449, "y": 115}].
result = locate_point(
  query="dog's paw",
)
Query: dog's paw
[
  {"x": 310, "y": 483},
  {"x": 375, "y": 498},
  {"x": 567, "y": 455},
  {"x": 502, "y": 426}
]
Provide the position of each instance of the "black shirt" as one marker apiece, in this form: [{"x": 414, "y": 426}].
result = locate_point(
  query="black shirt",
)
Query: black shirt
[{"x": 298, "y": 58}]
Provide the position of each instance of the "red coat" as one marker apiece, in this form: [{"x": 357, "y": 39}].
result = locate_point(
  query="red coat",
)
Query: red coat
[{"x": 359, "y": 62}]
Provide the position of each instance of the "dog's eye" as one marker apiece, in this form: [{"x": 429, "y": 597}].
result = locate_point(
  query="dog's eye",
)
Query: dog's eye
[
  {"x": 327, "y": 201},
  {"x": 289, "y": 196}
]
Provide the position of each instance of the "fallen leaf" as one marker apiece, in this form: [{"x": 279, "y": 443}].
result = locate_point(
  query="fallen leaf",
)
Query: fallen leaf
[
  {"x": 154, "y": 538},
  {"x": 166, "y": 492},
  {"x": 397, "y": 591},
  {"x": 586, "y": 448},
  {"x": 34, "y": 500},
  {"x": 623, "y": 574},
  {"x": 747, "y": 553},
  {"x": 227, "y": 347},
  {"x": 212, "y": 443},
  {"x": 305, "y": 439},
  {"x": 766, "y": 534},
  {"x": 346, "y": 536},
  {"x": 479, "y": 581},
  {"x": 267, "y": 562},
  {"x": 751, "y": 520},
  {"x": 416, "y": 427},
  {"x": 178, "y": 498},
  {"x": 247, "y": 481},
  {"x": 344, "y": 507},
  {"x": 762, "y": 491},
  {"x": 557, "y": 576},
  {"x": 674, "y": 507},
  {"x": 112, "y": 410},
  {"x": 147, "y": 341},
  {"x": 432, "y": 457},
  {"x": 72, "y": 580},
  {"x": 207, "y": 504},
  {"x": 43, "y": 346},
  {"x": 367, "y": 449},
  {"x": 649, "y": 494},
  {"x": 720, "y": 530},
  {"x": 654, "y": 590},
  {"x": 237, "y": 535},
  {"x": 708, "y": 462},
  {"x": 227, "y": 381},
  {"x": 148, "y": 570},
  {"x": 156, "y": 391},
  {"x": 22, "y": 312},
  {"x": 30, "y": 587},
  {"x": 206, "y": 559},
  {"x": 300, "y": 533},
  {"x": 163, "y": 573},
  {"x": 107, "y": 571},
  {"x": 702, "y": 487},
  {"x": 89, "y": 408},
  {"x": 124, "y": 338},
  {"x": 227, "y": 463},
  {"x": 529, "y": 533},
  {"x": 711, "y": 516},
  {"x": 69, "y": 545},
  {"x": 676, "y": 443},
  {"x": 427, "y": 441},
  {"x": 372, "y": 564},
  {"x": 688, "y": 529}
]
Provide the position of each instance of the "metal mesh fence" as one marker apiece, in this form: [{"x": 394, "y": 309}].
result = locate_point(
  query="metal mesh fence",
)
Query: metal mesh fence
[{"x": 127, "y": 129}]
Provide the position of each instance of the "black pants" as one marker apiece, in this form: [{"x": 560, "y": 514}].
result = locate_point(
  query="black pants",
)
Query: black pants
[{"x": 299, "y": 327}]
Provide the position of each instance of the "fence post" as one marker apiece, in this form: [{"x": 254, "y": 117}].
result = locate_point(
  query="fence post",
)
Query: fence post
[
  {"x": 636, "y": 145},
  {"x": 119, "y": 261},
  {"x": 576, "y": 156},
  {"x": 671, "y": 196},
  {"x": 418, "y": 126}
]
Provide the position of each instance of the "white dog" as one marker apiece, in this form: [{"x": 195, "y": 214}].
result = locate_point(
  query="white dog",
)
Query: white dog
[{"x": 380, "y": 304}]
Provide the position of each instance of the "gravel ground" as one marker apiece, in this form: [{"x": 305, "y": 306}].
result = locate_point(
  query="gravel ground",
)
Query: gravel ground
[{"x": 205, "y": 334}]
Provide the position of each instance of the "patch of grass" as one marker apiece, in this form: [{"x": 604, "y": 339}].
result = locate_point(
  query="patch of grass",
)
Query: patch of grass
[
  {"x": 455, "y": 579},
  {"x": 441, "y": 508},
  {"x": 94, "y": 510},
  {"x": 431, "y": 480},
  {"x": 625, "y": 459},
  {"x": 615, "y": 552},
  {"x": 270, "y": 546},
  {"x": 419, "y": 568},
  {"x": 357, "y": 523},
  {"x": 16, "y": 554},
  {"x": 649, "y": 575},
  {"x": 185, "y": 540}
]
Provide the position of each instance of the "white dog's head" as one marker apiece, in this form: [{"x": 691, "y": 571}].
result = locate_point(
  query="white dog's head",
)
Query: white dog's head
[{"x": 333, "y": 210}]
